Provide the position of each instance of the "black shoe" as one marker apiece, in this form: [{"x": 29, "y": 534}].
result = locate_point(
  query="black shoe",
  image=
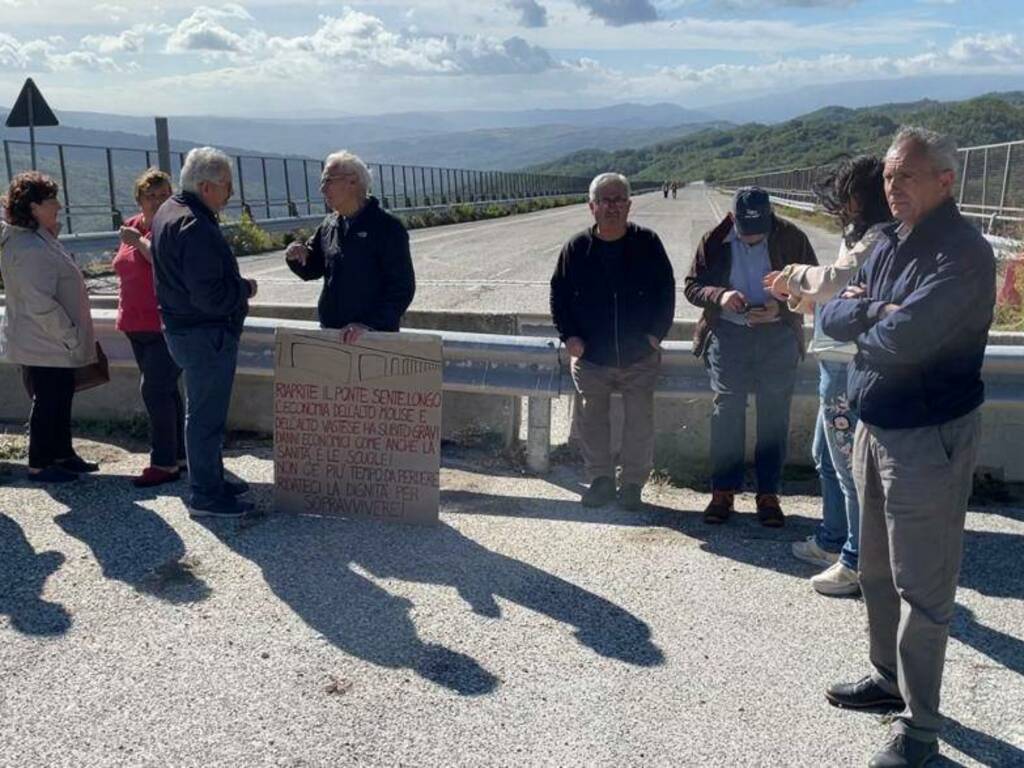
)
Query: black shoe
[
  {"x": 223, "y": 507},
  {"x": 235, "y": 487},
  {"x": 52, "y": 474},
  {"x": 600, "y": 492},
  {"x": 78, "y": 465},
  {"x": 863, "y": 694},
  {"x": 902, "y": 751},
  {"x": 629, "y": 497}
]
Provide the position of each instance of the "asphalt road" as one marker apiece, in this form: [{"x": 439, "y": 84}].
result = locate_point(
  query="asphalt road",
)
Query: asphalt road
[
  {"x": 521, "y": 631},
  {"x": 503, "y": 265}
]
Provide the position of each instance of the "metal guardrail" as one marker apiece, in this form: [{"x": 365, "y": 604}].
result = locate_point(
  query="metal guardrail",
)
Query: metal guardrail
[
  {"x": 268, "y": 186},
  {"x": 990, "y": 183},
  {"x": 538, "y": 368}
]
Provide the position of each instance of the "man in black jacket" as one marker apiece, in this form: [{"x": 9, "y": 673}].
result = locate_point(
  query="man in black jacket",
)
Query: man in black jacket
[
  {"x": 919, "y": 311},
  {"x": 361, "y": 252},
  {"x": 203, "y": 303},
  {"x": 613, "y": 301}
]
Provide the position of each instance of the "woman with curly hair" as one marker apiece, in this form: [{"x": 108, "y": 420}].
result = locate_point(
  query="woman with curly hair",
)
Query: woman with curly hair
[
  {"x": 855, "y": 196},
  {"x": 138, "y": 317},
  {"x": 47, "y": 325}
]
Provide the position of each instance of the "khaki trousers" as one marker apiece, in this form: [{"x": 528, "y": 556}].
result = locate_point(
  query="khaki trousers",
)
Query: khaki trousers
[
  {"x": 913, "y": 486},
  {"x": 635, "y": 383}
]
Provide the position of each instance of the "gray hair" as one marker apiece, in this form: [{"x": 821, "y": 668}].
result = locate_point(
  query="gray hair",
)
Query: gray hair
[
  {"x": 346, "y": 162},
  {"x": 939, "y": 149},
  {"x": 604, "y": 179},
  {"x": 203, "y": 164}
]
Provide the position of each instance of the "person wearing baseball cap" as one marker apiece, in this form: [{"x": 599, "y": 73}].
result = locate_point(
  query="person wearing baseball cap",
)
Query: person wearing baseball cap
[{"x": 751, "y": 343}]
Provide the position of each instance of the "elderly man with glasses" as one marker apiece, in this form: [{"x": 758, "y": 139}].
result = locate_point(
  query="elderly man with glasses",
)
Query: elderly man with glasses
[
  {"x": 203, "y": 302},
  {"x": 361, "y": 252},
  {"x": 613, "y": 300}
]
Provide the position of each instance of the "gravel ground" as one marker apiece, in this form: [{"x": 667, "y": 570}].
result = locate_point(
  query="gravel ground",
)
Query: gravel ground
[{"x": 523, "y": 630}]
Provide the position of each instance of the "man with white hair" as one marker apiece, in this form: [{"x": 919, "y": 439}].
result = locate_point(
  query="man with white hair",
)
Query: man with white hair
[
  {"x": 360, "y": 250},
  {"x": 919, "y": 311},
  {"x": 613, "y": 300},
  {"x": 203, "y": 302}
]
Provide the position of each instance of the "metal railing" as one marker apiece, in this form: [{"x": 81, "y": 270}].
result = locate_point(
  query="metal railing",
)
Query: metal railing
[
  {"x": 96, "y": 183},
  {"x": 538, "y": 369},
  {"x": 990, "y": 183}
]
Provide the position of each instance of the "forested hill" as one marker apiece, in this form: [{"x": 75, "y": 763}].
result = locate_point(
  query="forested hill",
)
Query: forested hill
[{"x": 818, "y": 137}]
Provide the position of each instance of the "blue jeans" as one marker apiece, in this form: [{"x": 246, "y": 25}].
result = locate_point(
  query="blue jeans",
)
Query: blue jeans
[
  {"x": 759, "y": 360},
  {"x": 839, "y": 529},
  {"x": 208, "y": 357}
]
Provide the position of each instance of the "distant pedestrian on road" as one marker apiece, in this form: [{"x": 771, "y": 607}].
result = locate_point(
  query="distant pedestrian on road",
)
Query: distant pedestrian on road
[
  {"x": 203, "y": 302},
  {"x": 664, "y": 190},
  {"x": 360, "y": 250},
  {"x": 855, "y": 196},
  {"x": 919, "y": 311},
  {"x": 47, "y": 324},
  {"x": 138, "y": 317},
  {"x": 675, "y": 189},
  {"x": 751, "y": 343},
  {"x": 613, "y": 301}
]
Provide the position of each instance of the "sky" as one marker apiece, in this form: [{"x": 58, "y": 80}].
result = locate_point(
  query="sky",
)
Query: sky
[{"x": 319, "y": 57}]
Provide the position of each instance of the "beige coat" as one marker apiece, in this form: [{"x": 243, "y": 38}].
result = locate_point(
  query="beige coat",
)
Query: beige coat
[
  {"x": 808, "y": 285},
  {"x": 47, "y": 320}
]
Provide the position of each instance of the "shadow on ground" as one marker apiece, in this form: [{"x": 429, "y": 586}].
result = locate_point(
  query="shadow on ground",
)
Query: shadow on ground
[
  {"x": 313, "y": 564},
  {"x": 23, "y": 574}
]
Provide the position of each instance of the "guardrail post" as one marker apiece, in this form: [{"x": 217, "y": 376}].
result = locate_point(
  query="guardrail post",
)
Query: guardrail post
[
  {"x": 241, "y": 181},
  {"x": 1006, "y": 178},
  {"x": 963, "y": 178},
  {"x": 7, "y": 161},
  {"x": 292, "y": 210},
  {"x": 266, "y": 187},
  {"x": 115, "y": 215},
  {"x": 538, "y": 434},
  {"x": 64, "y": 186},
  {"x": 163, "y": 145}
]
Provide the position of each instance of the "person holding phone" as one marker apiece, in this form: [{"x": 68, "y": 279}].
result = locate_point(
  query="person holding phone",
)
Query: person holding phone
[{"x": 751, "y": 343}]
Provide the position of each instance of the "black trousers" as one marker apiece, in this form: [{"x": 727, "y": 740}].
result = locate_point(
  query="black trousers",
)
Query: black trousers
[
  {"x": 159, "y": 386},
  {"x": 49, "y": 425}
]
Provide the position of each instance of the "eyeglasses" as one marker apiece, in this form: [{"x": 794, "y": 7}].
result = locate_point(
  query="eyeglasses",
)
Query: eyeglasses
[
  {"x": 606, "y": 201},
  {"x": 329, "y": 179}
]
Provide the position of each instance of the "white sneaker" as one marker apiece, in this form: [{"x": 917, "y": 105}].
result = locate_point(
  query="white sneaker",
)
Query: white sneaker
[
  {"x": 836, "y": 580},
  {"x": 810, "y": 552}
]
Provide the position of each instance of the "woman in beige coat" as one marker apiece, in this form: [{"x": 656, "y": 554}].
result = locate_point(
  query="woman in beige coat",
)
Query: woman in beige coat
[
  {"x": 855, "y": 196},
  {"x": 47, "y": 326}
]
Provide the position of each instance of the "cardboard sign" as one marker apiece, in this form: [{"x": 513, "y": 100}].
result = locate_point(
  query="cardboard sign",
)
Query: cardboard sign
[{"x": 357, "y": 427}]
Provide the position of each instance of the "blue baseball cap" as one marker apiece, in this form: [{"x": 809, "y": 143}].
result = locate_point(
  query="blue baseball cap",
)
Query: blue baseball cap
[{"x": 752, "y": 211}]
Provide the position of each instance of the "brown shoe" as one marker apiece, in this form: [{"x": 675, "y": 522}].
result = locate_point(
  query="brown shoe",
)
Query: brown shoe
[
  {"x": 720, "y": 507},
  {"x": 769, "y": 511}
]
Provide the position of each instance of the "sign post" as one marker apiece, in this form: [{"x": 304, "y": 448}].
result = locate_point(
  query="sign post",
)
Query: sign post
[{"x": 29, "y": 110}]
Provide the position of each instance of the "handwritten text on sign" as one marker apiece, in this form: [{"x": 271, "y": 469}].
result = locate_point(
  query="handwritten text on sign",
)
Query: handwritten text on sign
[{"x": 357, "y": 427}]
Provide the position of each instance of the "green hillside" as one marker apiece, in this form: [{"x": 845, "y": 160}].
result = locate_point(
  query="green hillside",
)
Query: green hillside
[{"x": 815, "y": 138}]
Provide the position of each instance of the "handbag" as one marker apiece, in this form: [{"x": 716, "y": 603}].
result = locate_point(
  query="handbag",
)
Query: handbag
[
  {"x": 86, "y": 377},
  {"x": 94, "y": 374}
]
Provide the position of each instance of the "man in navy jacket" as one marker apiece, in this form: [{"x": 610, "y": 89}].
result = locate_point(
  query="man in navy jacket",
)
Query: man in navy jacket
[
  {"x": 203, "y": 303},
  {"x": 919, "y": 311}
]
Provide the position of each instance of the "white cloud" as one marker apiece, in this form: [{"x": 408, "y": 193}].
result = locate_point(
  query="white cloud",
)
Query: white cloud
[
  {"x": 128, "y": 41},
  {"x": 987, "y": 50},
  {"x": 203, "y": 31}
]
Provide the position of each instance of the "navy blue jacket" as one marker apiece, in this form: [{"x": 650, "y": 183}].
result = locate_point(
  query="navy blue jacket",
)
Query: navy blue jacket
[
  {"x": 614, "y": 318},
  {"x": 921, "y": 365},
  {"x": 196, "y": 274},
  {"x": 366, "y": 267}
]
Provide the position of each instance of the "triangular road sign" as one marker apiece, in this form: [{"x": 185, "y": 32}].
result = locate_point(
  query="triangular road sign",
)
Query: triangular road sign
[{"x": 31, "y": 109}]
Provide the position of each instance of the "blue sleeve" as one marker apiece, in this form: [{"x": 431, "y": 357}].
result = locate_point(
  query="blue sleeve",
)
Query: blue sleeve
[
  {"x": 957, "y": 291},
  {"x": 846, "y": 319},
  {"x": 211, "y": 288}
]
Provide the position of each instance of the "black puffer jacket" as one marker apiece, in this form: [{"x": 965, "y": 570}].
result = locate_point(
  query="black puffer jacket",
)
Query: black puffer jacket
[
  {"x": 366, "y": 267},
  {"x": 614, "y": 317}
]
